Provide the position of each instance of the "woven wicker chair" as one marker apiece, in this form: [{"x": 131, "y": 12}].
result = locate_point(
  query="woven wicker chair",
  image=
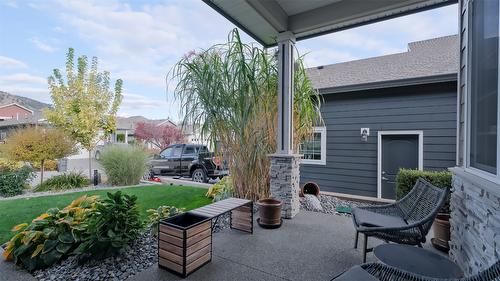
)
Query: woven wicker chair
[
  {"x": 406, "y": 221},
  {"x": 381, "y": 272}
]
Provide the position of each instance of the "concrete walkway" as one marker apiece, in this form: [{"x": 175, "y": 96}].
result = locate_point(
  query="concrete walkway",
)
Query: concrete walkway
[
  {"x": 10, "y": 272},
  {"x": 312, "y": 246}
]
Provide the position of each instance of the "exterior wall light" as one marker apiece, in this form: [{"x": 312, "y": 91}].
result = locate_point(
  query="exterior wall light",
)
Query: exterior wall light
[{"x": 365, "y": 132}]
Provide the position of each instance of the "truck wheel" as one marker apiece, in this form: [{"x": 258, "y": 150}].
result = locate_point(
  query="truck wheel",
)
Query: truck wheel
[{"x": 199, "y": 175}]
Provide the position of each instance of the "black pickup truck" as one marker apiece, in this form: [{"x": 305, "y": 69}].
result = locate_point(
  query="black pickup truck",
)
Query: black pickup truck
[{"x": 188, "y": 160}]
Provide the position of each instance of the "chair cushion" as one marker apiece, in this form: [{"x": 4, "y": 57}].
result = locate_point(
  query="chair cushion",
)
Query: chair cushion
[
  {"x": 369, "y": 218},
  {"x": 356, "y": 273}
]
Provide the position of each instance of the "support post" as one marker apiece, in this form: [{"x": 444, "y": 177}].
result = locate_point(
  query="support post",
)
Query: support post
[
  {"x": 286, "y": 44},
  {"x": 284, "y": 171}
]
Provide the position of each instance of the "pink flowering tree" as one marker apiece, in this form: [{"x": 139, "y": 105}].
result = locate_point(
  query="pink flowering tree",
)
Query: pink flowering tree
[{"x": 160, "y": 136}]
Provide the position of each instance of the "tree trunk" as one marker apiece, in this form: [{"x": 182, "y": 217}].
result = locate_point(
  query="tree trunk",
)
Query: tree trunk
[
  {"x": 90, "y": 164},
  {"x": 42, "y": 168}
]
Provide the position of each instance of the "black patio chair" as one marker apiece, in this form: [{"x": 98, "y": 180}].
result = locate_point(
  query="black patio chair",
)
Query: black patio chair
[
  {"x": 382, "y": 272},
  {"x": 406, "y": 221}
]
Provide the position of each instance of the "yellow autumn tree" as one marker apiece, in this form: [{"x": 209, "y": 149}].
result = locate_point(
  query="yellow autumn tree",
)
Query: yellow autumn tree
[
  {"x": 36, "y": 145},
  {"x": 84, "y": 106}
]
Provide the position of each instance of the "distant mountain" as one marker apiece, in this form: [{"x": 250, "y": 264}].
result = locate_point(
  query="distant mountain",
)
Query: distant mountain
[{"x": 6, "y": 98}]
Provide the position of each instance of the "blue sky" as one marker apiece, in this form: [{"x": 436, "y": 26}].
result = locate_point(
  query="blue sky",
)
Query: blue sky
[{"x": 139, "y": 41}]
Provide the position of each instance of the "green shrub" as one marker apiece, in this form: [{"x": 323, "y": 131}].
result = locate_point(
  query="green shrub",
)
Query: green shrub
[
  {"x": 63, "y": 182},
  {"x": 14, "y": 182},
  {"x": 124, "y": 165},
  {"x": 406, "y": 179},
  {"x": 51, "y": 236},
  {"x": 162, "y": 212},
  {"x": 115, "y": 224},
  {"x": 7, "y": 165},
  {"x": 89, "y": 227},
  {"x": 48, "y": 165},
  {"x": 221, "y": 190}
]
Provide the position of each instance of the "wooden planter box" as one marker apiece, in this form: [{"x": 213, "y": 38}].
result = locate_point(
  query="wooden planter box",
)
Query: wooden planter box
[{"x": 184, "y": 243}]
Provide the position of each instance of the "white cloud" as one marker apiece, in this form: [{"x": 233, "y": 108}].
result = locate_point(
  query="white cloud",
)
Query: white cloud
[
  {"x": 11, "y": 3},
  {"x": 23, "y": 78},
  {"x": 140, "y": 45},
  {"x": 43, "y": 45},
  {"x": 58, "y": 29},
  {"x": 382, "y": 38},
  {"x": 11, "y": 63},
  {"x": 318, "y": 57},
  {"x": 135, "y": 101}
]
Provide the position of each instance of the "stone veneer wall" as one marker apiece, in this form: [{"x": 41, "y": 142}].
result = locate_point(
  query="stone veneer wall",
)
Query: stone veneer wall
[
  {"x": 475, "y": 222},
  {"x": 284, "y": 182}
]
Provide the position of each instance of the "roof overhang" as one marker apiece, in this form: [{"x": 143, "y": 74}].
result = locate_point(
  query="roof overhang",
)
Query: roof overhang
[
  {"x": 265, "y": 19},
  {"x": 452, "y": 77}
]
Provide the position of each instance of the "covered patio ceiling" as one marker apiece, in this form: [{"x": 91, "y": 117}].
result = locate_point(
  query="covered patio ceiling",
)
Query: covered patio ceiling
[{"x": 265, "y": 19}]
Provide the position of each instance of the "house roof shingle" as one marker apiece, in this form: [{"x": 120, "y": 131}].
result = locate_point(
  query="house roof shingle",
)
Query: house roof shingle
[
  {"x": 424, "y": 59},
  {"x": 129, "y": 123}
]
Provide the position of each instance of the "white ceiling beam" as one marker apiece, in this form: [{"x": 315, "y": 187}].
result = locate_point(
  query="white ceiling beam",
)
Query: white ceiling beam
[
  {"x": 271, "y": 12},
  {"x": 347, "y": 13}
]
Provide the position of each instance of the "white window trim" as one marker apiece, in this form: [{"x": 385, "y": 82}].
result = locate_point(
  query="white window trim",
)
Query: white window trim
[
  {"x": 467, "y": 121},
  {"x": 321, "y": 130},
  {"x": 420, "y": 135}
]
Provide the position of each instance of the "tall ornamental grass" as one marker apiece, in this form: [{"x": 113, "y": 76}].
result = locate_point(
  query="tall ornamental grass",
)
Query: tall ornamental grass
[
  {"x": 230, "y": 91},
  {"x": 124, "y": 165}
]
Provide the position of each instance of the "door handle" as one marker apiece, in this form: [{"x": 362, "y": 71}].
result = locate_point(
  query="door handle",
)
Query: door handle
[{"x": 384, "y": 178}]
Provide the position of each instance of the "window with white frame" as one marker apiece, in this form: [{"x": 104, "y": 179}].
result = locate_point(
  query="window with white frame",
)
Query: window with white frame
[
  {"x": 483, "y": 101},
  {"x": 314, "y": 148}
]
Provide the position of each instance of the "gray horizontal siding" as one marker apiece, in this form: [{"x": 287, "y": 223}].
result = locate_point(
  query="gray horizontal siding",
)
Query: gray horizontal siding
[{"x": 351, "y": 165}]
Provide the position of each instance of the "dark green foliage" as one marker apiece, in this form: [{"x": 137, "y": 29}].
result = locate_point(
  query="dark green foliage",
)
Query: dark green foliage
[
  {"x": 120, "y": 137},
  {"x": 406, "y": 179},
  {"x": 51, "y": 236},
  {"x": 115, "y": 224},
  {"x": 14, "y": 182},
  {"x": 162, "y": 212},
  {"x": 63, "y": 182}
]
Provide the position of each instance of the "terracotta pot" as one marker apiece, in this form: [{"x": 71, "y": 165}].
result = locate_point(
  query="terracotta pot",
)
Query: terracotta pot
[
  {"x": 309, "y": 188},
  {"x": 442, "y": 230},
  {"x": 269, "y": 212}
]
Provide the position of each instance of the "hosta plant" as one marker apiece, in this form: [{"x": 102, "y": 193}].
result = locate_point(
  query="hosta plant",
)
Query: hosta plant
[
  {"x": 115, "y": 224},
  {"x": 221, "y": 190},
  {"x": 51, "y": 236},
  {"x": 162, "y": 212}
]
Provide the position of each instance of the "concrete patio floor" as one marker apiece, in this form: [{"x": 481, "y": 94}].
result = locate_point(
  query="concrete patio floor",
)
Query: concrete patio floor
[{"x": 312, "y": 246}]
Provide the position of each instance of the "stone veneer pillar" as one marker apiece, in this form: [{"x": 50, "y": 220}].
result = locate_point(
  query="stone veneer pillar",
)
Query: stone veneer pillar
[
  {"x": 475, "y": 222},
  {"x": 284, "y": 182}
]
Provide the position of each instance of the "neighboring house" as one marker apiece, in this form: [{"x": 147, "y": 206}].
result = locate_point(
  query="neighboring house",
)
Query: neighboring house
[
  {"x": 192, "y": 134},
  {"x": 125, "y": 128},
  {"x": 14, "y": 116},
  {"x": 14, "y": 111},
  {"x": 18, "y": 112},
  {"x": 124, "y": 134},
  {"x": 381, "y": 114}
]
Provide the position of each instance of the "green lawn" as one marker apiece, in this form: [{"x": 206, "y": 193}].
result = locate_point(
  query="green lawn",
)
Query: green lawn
[{"x": 13, "y": 212}]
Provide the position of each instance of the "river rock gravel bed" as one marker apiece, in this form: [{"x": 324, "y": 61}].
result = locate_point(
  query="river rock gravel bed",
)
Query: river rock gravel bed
[
  {"x": 329, "y": 204},
  {"x": 139, "y": 256}
]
